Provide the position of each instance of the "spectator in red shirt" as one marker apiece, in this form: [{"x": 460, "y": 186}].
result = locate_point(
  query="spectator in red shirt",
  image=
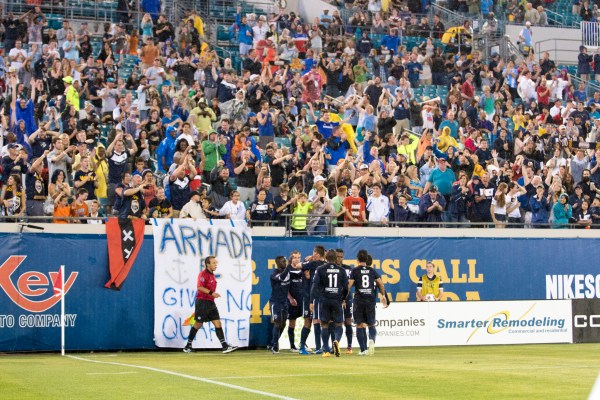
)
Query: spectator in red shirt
[{"x": 355, "y": 208}]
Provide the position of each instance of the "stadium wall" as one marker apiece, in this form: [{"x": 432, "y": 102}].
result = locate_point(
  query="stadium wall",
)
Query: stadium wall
[{"x": 472, "y": 268}]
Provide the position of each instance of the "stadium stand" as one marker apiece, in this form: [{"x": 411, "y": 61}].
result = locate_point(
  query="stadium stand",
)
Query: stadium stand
[{"x": 381, "y": 112}]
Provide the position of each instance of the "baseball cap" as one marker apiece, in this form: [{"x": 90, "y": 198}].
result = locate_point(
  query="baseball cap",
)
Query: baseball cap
[
  {"x": 110, "y": 80},
  {"x": 251, "y": 114},
  {"x": 319, "y": 178},
  {"x": 14, "y": 146},
  {"x": 364, "y": 166},
  {"x": 68, "y": 79}
]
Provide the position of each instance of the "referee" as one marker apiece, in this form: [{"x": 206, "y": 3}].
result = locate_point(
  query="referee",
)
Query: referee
[{"x": 206, "y": 309}]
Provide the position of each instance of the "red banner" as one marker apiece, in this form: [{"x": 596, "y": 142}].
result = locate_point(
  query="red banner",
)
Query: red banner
[{"x": 124, "y": 237}]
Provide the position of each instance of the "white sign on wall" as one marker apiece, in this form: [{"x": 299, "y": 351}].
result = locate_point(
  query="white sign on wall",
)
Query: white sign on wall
[
  {"x": 180, "y": 248},
  {"x": 469, "y": 323}
]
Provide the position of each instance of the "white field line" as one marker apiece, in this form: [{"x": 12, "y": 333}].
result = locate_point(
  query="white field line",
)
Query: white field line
[
  {"x": 111, "y": 373},
  {"x": 195, "y": 378},
  {"x": 454, "y": 368}
]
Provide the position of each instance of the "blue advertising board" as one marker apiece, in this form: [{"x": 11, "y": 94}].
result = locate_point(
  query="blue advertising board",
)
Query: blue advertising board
[{"x": 102, "y": 319}]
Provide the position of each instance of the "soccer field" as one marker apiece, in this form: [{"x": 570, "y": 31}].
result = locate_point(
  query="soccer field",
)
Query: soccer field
[{"x": 483, "y": 372}]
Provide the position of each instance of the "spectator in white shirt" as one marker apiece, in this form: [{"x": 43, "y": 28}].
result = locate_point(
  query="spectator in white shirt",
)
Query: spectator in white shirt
[
  {"x": 378, "y": 206},
  {"x": 234, "y": 209}
]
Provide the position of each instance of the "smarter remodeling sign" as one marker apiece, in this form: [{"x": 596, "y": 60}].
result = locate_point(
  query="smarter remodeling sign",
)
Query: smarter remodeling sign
[{"x": 475, "y": 323}]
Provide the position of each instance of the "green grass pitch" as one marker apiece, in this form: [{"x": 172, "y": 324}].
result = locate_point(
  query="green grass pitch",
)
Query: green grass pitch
[{"x": 482, "y": 372}]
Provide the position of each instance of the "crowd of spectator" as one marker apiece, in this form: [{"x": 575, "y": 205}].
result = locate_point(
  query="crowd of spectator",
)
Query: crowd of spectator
[{"x": 320, "y": 127}]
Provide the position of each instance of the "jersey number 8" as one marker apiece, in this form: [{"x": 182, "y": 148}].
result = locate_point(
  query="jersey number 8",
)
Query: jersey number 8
[{"x": 365, "y": 281}]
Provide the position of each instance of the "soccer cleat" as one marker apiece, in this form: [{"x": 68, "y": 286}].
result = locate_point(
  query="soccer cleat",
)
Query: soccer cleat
[
  {"x": 229, "y": 349},
  {"x": 326, "y": 354},
  {"x": 362, "y": 353},
  {"x": 336, "y": 348},
  {"x": 349, "y": 350},
  {"x": 318, "y": 351},
  {"x": 371, "y": 349},
  {"x": 303, "y": 351},
  {"x": 275, "y": 350},
  {"x": 187, "y": 349},
  {"x": 269, "y": 347},
  {"x": 294, "y": 350}
]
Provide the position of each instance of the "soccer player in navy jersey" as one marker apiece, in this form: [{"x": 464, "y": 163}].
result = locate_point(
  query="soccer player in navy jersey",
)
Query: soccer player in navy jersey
[
  {"x": 280, "y": 286},
  {"x": 294, "y": 297},
  {"x": 330, "y": 286},
  {"x": 206, "y": 309},
  {"x": 348, "y": 308},
  {"x": 367, "y": 281},
  {"x": 308, "y": 269}
]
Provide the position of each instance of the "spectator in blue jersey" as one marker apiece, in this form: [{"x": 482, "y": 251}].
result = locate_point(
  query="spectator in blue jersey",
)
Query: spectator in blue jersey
[
  {"x": 336, "y": 148},
  {"x": 483, "y": 193},
  {"x": 179, "y": 183},
  {"x": 166, "y": 150},
  {"x": 432, "y": 205},
  {"x": 117, "y": 155},
  {"x": 540, "y": 208},
  {"x": 266, "y": 130},
  {"x": 324, "y": 124},
  {"x": 244, "y": 34},
  {"x": 330, "y": 289},
  {"x": 392, "y": 41},
  {"x": 260, "y": 212},
  {"x": 133, "y": 205},
  {"x": 459, "y": 201},
  {"x": 151, "y": 7},
  {"x": 366, "y": 281},
  {"x": 415, "y": 69},
  {"x": 364, "y": 44}
]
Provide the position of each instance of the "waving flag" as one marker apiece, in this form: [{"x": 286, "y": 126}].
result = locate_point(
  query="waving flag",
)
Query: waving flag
[{"x": 124, "y": 237}]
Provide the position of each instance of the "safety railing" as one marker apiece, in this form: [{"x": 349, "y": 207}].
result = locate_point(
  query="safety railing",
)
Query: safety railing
[{"x": 306, "y": 224}]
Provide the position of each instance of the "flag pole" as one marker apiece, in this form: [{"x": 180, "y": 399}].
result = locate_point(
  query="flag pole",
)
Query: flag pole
[{"x": 62, "y": 311}]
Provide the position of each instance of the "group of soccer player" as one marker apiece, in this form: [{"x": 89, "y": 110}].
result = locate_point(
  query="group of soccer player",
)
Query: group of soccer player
[{"x": 320, "y": 290}]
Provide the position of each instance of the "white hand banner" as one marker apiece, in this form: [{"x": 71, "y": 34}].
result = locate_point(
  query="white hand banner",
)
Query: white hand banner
[{"x": 180, "y": 248}]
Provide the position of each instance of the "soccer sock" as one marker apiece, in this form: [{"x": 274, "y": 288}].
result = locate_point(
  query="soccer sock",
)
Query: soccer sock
[
  {"x": 291, "y": 336},
  {"x": 317, "y": 336},
  {"x": 372, "y": 333},
  {"x": 361, "y": 335},
  {"x": 221, "y": 336},
  {"x": 276, "y": 334},
  {"x": 325, "y": 338},
  {"x": 303, "y": 336},
  {"x": 192, "y": 335},
  {"x": 338, "y": 333},
  {"x": 349, "y": 335},
  {"x": 332, "y": 332}
]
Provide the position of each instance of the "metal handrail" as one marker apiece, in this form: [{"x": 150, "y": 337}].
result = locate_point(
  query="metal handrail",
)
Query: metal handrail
[
  {"x": 572, "y": 46},
  {"x": 24, "y": 223}
]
